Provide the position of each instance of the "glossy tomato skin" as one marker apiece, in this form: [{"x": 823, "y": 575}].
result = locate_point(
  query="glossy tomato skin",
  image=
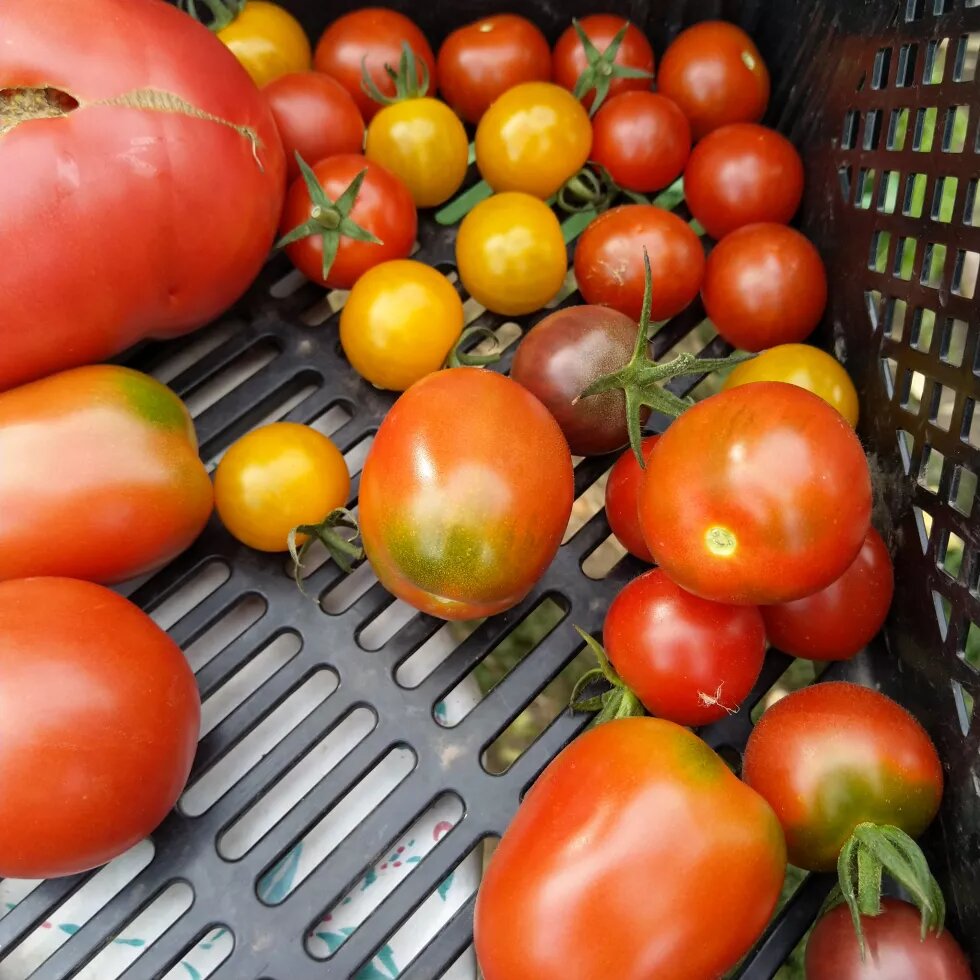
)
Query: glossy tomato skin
[
  {"x": 764, "y": 285},
  {"x": 594, "y": 878},
  {"x": 643, "y": 140},
  {"x": 895, "y": 948},
  {"x": 776, "y": 501},
  {"x": 841, "y": 619},
  {"x": 562, "y": 356},
  {"x": 477, "y": 63},
  {"x": 384, "y": 207},
  {"x": 834, "y": 755},
  {"x": 268, "y": 41},
  {"x": 687, "y": 659},
  {"x": 129, "y": 265},
  {"x": 714, "y": 72},
  {"x": 743, "y": 174},
  {"x": 609, "y": 261},
  {"x": 372, "y": 36},
  {"x": 458, "y": 517},
  {"x": 99, "y": 721},
  {"x": 623, "y": 498},
  {"x": 315, "y": 116},
  {"x": 570, "y": 59},
  {"x": 100, "y": 476}
]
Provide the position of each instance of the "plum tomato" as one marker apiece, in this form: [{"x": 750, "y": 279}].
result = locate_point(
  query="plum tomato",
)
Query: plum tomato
[
  {"x": 623, "y": 498},
  {"x": 268, "y": 40}
]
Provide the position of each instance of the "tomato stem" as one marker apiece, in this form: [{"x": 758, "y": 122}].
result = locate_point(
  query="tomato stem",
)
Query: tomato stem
[
  {"x": 602, "y": 67},
  {"x": 406, "y": 78},
  {"x": 344, "y": 551},
  {"x": 223, "y": 12},
  {"x": 461, "y": 358},
  {"x": 618, "y": 701},
  {"x": 593, "y": 189}
]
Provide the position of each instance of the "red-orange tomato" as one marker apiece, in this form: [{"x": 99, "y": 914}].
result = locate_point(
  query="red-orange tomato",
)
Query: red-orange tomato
[
  {"x": 479, "y": 62},
  {"x": 622, "y": 500}
]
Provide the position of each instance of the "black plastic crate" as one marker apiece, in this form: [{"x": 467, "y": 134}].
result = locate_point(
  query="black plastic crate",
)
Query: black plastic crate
[{"x": 882, "y": 99}]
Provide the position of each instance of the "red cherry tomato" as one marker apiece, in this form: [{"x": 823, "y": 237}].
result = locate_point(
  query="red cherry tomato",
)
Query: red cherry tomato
[
  {"x": 643, "y": 140},
  {"x": 609, "y": 261},
  {"x": 315, "y": 116},
  {"x": 764, "y": 285},
  {"x": 479, "y": 62},
  {"x": 622, "y": 500},
  {"x": 838, "y": 621},
  {"x": 715, "y": 73},
  {"x": 742, "y": 174},
  {"x": 687, "y": 659},
  {"x": 373, "y": 37}
]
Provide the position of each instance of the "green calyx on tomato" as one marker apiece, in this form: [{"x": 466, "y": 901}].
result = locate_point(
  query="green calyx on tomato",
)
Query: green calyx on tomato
[
  {"x": 593, "y": 189},
  {"x": 223, "y": 12},
  {"x": 410, "y": 78},
  {"x": 602, "y": 67},
  {"x": 458, "y": 357},
  {"x": 329, "y": 219},
  {"x": 618, "y": 702},
  {"x": 641, "y": 380},
  {"x": 344, "y": 550}
]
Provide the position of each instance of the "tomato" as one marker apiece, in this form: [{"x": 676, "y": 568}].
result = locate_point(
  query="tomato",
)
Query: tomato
[
  {"x": 841, "y": 619},
  {"x": 276, "y": 478},
  {"x": 99, "y": 720},
  {"x": 619, "y": 847},
  {"x": 743, "y": 174},
  {"x": 562, "y": 356},
  {"x": 622, "y": 500},
  {"x": 764, "y": 285},
  {"x": 458, "y": 517},
  {"x": 315, "y": 116},
  {"x": 369, "y": 39},
  {"x": 152, "y": 103},
  {"x": 773, "y": 496},
  {"x": 634, "y": 55},
  {"x": 895, "y": 948},
  {"x": 399, "y": 323},
  {"x": 100, "y": 476},
  {"x": 715, "y": 73},
  {"x": 806, "y": 367},
  {"x": 383, "y": 208},
  {"x": 510, "y": 254},
  {"x": 267, "y": 40},
  {"x": 642, "y": 139},
  {"x": 609, "y": 261},
  {"x": 479, "y": 62},
  {"x": 689, "y": 660},
  {"x": 532, "y": 139}
]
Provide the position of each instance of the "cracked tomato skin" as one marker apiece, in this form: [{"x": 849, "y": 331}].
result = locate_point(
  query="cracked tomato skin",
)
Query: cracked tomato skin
[
  {"x": 130, "y": 222},
  {"x": 617, "y": 850},
  {"x": 459, "y": 518}
]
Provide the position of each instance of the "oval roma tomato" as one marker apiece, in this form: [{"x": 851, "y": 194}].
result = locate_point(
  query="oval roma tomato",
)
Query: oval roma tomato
[
  {"x": 732, "y": 532},
  {"x": 87, "y": 453},
  {"x": 267, "y": 40},
  {"x": 687, "y": 659},
  {"x": 459, "y": 518},
  {"x": 315, "y": 116},
  {"x": 594, "y": 879},
  {"x": 477, "y": 63},
  {"x": 151, "y": 102},
  {"x": 561, "y": 356},
  {"x": 642, "y": 139},
  {"x": 532, "y": 139},
  {"x": 841, "y": 619},
  {"x": 609, "y": 261},
  {"x": 834, "y": 755},
  {"x": 510, "y": 254},
  {"x": 99, "y": 721},
  {"x": 714, "y": 72},
  {"x": 743, "y": 174},
  {"x": 383, "y": 207},
  {"x": 276, "y": 478},
  {"x": 623, "y": 498},
  {"x": 764, "y": 285},
  {"x": 400, "y": 322},
  {"x": 803, "y": 366},
  {"x": 894, "y": 947},
  {"x": 368, "y": 39}
]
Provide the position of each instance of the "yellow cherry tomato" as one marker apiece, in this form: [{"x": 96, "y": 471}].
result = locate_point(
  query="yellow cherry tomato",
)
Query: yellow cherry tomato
[
  {"x": 277, "y": 477},
  {"x": 532, "y": 139},
  {"x": 422, "y": 141},
  {"x": 510, "y": 253},
  {"x": 803, "y": 366},
  {"x": 399, "y": 323},
  {"x": 268, "y": 41}
]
